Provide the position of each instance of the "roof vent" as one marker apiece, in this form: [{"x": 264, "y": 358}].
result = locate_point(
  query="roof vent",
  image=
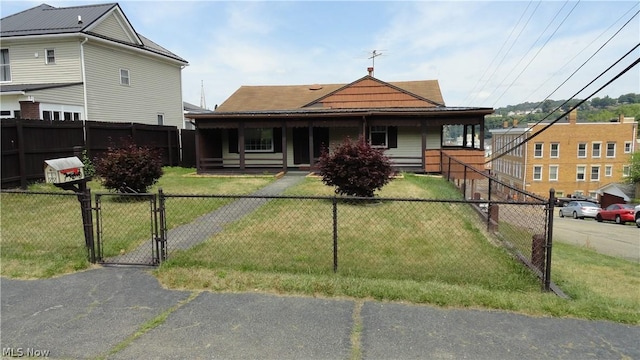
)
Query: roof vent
[
  {"x": 79, "y": 19},
  {"x": 315, "y": 87}
]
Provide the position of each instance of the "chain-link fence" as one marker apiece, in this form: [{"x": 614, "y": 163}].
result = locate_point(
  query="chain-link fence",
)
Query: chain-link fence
[
  {"x": 467, "y": 241},
  {"x": 384, "y": 238},
  {"x": 42, "y": 233}
]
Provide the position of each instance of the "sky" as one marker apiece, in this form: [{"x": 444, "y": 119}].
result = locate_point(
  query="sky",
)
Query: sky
[{"x": 483, "y": 53}]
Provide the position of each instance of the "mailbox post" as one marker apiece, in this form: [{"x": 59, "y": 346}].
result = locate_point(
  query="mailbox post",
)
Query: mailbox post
[{"x": 68, "y": 174}]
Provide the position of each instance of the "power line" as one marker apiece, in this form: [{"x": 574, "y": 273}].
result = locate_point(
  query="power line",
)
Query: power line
[
  {"x": 538, "y": 52},
  {"x": 597, "y": 51},
  {"x": 576, "y": 105}
]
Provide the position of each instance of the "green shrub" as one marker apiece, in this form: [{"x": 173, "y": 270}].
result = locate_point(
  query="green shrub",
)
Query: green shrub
[
  {"x": 129, "y": 168},
  {"x": 355, "y": 168}
]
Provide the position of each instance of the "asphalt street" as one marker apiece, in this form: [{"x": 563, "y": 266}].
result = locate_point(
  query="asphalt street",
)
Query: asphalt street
[
  {"x": 97, "y": 313},
  {"x": 605, "y": 237}
]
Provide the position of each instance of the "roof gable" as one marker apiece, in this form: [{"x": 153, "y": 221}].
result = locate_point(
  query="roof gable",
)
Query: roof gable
[
  {"x": 369, "y": 92},
  {"x": 115, "y": 25},
  {"x": 366, "y": 92}
]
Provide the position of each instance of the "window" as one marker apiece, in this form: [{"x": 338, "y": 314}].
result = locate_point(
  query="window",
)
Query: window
[
  {"x": 554, "y": 151},
  {"x": 595, "y": 150},
  {"x": 537, "y": 173},
  {"x": 124, "y": 77},
  {"x": 378, "y": 136},
  {"x": 611, "y": 149},
  {"x": 582, "y": 150},
  {"x": 595, "y": 173},
  {"x": 258, "y": 140},
  {"x": 67, "y": 116},
  {"x": 160, "y": 119},
  {"x": 5, "y": 65},
  {"x": 56, "y": 115},
  {"x": 627, "y": 147},
  {"x": 537, "y": 150},
  {"x": 76, "y": 116},
  {"x": 553, "y": 172},
  {"x": 50, "y": 56},
  {"x": 5, "y": 112},
  {"x": 580, "y": 170},
  {"x": 47, "y": 115},
  {"x": 608, "y": 170},
  {"x": 626, "y": 170}
]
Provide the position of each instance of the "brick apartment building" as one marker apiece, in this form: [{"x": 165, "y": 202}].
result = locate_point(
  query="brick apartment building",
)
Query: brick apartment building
[{"x": 572, "y": 157}]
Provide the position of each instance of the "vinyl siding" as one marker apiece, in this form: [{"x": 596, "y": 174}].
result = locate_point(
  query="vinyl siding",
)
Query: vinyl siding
[
  {"x": 69, "y": 95},
  {"x": 26, "y": 68},
  {"x": 112, "y": 28},
  {"x": 409, "y": 145},
  {"x": 155, "y": 87}
]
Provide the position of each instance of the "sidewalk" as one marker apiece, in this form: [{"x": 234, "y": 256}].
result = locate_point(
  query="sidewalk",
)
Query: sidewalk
[{"x": 91, "y": 313}]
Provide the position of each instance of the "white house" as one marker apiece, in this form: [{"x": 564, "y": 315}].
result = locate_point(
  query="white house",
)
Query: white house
[{"x": 86, "y": 63}]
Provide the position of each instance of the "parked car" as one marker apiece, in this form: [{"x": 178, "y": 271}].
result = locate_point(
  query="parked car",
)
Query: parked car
[
  {"x": 620, "y": 213},
  {"x": 637, "y": 216},
  {"x": 580, "y": 209}
]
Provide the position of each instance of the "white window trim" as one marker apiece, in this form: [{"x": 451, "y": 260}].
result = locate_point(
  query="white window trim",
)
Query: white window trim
[
  {"x": 270, "y": 150},
  {"x": 378, "y": 131},
  {"x": 599, "y": 149},
  {"x": 541, "y": 150},
  {"x": 46, "y": 56},
  {"x": 628, "y": 147},
  {"x": 608, "y": 170},
  {"x": 551, "y": 151},
  {"x": 533, "y": 173},
  {"x": 586, "y": 151},
  {"x": 9, "y": 65},
  {"x": 626, "y": 170},
  {"x": 584, "y": 172},
  {"x": 591, "y": 173},
  {"x": 121, "y": 77},
  {"x": 557, "y": 167},
  {"x": 607, "y": 150}
]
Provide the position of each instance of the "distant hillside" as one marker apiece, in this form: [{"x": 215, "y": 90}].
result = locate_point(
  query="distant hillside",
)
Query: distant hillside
[{"x": 596, "y": 109}]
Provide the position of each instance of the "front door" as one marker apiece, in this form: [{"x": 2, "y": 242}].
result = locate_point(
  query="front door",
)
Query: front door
[{"x": 301, "y": 143}]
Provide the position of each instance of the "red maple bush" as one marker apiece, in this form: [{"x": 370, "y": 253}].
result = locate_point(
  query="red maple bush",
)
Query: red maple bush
[
  {"x": 355, "y": 168},
  {"x": 129, "y": 168}
]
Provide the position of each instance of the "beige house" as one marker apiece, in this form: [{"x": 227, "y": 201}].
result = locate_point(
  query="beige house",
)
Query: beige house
[
  {"x": 86, "y": 63},
  {"x": 280, "y": 128},
  {"x": 572, "y": 157}
]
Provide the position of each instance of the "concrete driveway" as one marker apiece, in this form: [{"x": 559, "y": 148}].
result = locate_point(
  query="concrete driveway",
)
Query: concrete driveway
[{"x": 605, "y": 237}]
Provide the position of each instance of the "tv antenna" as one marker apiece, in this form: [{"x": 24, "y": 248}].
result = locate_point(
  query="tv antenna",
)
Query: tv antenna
[{"x": 374, "y": 55}]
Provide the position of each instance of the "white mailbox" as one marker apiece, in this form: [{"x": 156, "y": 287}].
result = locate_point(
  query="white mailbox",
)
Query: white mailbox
[{"x": 63, "y": 170}]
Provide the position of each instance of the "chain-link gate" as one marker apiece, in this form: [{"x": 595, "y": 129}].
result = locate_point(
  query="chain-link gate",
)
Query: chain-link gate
[{"x": 130, "y": 229}]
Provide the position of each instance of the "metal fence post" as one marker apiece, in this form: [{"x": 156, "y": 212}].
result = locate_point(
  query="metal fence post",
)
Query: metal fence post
[
  {"x": 335, "y": 234},
  {"x": 550, "y": 209},
  {"x": 87, "y": 222}
]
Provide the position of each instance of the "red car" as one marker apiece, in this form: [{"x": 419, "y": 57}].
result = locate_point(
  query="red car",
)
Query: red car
[{"x": 620, "y": 213}]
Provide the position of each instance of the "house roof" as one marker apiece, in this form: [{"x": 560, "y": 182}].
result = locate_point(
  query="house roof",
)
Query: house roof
[
  {"x": 34, "y": 87},
  {"x": 48, "y": 20},
  {"x": 364, "y": 93}
]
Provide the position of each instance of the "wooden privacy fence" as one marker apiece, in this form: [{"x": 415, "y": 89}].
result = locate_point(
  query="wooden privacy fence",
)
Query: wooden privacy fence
[{"x": 26, "y": 144}]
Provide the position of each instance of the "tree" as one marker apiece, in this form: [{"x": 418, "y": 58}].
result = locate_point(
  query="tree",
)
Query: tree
[
  {"x": 634, "y": 171},
  {"x": 130, "y": 168},
  {"x": 355, "y": 168}
]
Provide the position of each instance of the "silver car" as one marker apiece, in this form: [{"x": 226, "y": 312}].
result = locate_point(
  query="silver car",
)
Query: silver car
[{"x": 579, "y": 209}]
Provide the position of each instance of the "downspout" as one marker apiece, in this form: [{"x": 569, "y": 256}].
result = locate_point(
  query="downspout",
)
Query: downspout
[{"x": 84, "y": 85}]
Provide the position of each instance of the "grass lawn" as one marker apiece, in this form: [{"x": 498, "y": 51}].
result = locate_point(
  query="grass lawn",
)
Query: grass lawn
[
  {"x": 302, "y": 263},
  {"x": 42, "y": 235}
]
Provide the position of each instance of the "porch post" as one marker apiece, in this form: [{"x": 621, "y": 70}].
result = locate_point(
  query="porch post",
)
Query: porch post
[
  {"x": 241, "y": 144},
  {"x": 423, "y": 131},
  {"x": 198, "y": 152},
  {"x": 284, "y": 146},
  {"x": 311, "y": 154},
  {"x": 482, "y": 134}
]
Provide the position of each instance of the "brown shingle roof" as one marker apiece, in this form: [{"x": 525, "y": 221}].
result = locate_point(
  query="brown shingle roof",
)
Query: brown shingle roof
[{"x": 366, "y": 92}]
